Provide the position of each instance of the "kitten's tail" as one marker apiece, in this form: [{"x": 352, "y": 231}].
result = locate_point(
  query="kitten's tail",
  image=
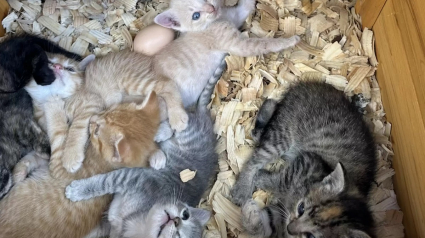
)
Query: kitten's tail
[
  {"x": 205, "y": 96},
  {"x": 52, "y": 47}
]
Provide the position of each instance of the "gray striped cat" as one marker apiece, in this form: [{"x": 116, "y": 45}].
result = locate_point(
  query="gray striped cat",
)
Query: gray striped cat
[
  {"x": 156, "y": 203},
  {"x": 322, "y": 189}
]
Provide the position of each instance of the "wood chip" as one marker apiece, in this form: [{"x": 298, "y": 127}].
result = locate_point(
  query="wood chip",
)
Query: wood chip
[{"x": 187, "y": 175}]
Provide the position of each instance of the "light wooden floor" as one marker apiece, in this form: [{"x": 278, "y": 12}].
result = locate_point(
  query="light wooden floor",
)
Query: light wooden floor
[{"x": 399, "y": 27}]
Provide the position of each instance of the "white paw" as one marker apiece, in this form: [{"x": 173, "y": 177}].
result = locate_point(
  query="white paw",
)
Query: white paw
[
  {"x": 178, "y": 119},
  {"x": 158, "y": 160},
  {"x": 72, "y": 162},
  {"x": 295, "y": 40},
  {"x": 73, "y": 192},
  {"x": 20, "y": 171}
]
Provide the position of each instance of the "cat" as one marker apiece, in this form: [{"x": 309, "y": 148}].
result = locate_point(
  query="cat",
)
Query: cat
[
  {"x": 209, "y": 31},
  {"x": 37, "y": 207},
  {"x": 330, "y": 155},
  {"x": 23, "y": 57},
  {"x": 156, "y": 203}
]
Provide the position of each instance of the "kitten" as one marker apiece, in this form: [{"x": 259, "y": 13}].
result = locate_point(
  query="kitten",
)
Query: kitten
[
  {"x": 156, "y": 203},
  {"x": 37, "y": 207},
  {"x": 17, "y": 69},
  {"x": 323, "y": 188},
  {"x": 22, "y": 58},
  {"x": 209, "y": 32}
]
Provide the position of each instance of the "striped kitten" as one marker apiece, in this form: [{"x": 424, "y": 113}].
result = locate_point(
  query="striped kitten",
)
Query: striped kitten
[
  {"x": 37, "y": 207},
  {"x": 209, "y": 29},
  {"x": 322, "y": 190},
  {"x": 156, "y": 203}
]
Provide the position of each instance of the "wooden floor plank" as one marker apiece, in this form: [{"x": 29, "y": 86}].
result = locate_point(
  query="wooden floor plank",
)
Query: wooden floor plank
[
  {"x": 369, "y": 10},
  {"x": 403, "y": 101}
]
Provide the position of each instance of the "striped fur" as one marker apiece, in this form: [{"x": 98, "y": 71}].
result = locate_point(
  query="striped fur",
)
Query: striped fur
[
  {"x": 37, "y": 207},
  {"x": 141, "y": 195},
  {"x": 330, "y": 166}
]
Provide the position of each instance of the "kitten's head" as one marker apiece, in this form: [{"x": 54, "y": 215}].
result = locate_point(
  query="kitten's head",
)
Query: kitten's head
[
  {"x": 169, "y": 221},
  {"x": 190, "y": 15},
  {"x": 326, "y": 209},
  {"x": 124, "y": 135},
  {"x": 69, "y": 76}
]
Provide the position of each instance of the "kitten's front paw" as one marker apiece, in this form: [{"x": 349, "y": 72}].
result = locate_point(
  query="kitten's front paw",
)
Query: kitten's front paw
[
  {"x": 44, "y": 76},
  {"x": 178, "y": 119},
  {"x": 20, "y": 172},
  {"x": 74, "y": 192},
  {"x": 158, "y": 160},
  {"x": 292, "y": 41},
  {"x": 72, "y": 162},
  {"x": 240, "y": 193},
  {"x": 255, "y": 220},
  {"x": 164, "y": 132}
]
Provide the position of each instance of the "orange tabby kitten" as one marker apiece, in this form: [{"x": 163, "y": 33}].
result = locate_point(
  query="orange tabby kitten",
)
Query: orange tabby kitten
[{"x": 37, "y": 207}]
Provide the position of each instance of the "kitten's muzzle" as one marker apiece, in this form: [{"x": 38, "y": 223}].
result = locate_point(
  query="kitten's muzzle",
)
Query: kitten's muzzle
[{"x": 291, "y": 227}]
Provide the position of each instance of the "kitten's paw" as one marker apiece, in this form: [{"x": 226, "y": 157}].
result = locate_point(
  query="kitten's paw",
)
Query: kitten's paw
[
  {"x": 74, "y": 192},
  {"x": 178, "y": 119},
  {"x": 72, "y": 162},
  {"x": 20, "y": 172},
  {"x": 164, "y": 132},
  {"x": 255, "y": 220},
  {"x": 158, "y": 160},
  {"x": 292, "y": 41},
  {"x": 240, "y": 193}
]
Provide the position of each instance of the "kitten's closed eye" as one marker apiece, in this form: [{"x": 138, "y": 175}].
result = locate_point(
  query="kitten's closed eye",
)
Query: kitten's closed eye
[{"x": 70, "y": 69}]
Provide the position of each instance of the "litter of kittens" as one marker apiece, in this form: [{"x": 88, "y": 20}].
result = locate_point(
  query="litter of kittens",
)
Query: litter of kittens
[{"x": 335, "y": 50}]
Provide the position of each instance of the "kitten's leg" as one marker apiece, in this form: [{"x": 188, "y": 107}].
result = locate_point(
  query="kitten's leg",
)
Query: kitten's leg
[
  {"x": 42, "y": 144},
  {"x": 158, "y": 160},
  {"x": 244, "y": 186},
  {"x": 263, "y": 117},
  {"x": 57, "y": 128},
  {"x": 78, "y": 135},
  {"x": 164, "y": 132},
  {"x": 27, "y": 164},
  {"x": 115, "y": 218},
  {"x": 230, "y": 40},
  {"x": 238, "y": 14},
  {"x": 255, "y": 220},
  {"x": 177, "y": 115},
  {"x": 205, "y": 96},
  {"x": 101, "y": 184}
]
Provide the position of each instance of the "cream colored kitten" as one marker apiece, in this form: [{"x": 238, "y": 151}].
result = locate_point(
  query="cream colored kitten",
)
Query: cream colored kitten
[
  {"x": 37, "y": 207},
  {"x": 210, "y": 31}
]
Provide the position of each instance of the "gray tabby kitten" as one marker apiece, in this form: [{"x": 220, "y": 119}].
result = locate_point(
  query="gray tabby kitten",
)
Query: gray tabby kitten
[
  {"x": 19, "y": 134},
  {"x": 156, "y": 203},
  {"x": 323, "y": 188}
]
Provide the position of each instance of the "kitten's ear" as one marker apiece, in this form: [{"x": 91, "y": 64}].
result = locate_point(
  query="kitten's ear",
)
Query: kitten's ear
[
  {"x": 203, "y": 216},
  {"x": 357, "y": 234},
  {"x": 150, "y": 103},
  {"x": 121, "y": 149},
  {"x": 167, "y": 19},
  {"x": 86, "y": 61},
  {"x": 335, "y": 181}
]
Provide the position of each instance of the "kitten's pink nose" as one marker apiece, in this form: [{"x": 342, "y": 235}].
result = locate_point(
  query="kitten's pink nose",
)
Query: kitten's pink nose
[
  {"x": 58, "y": 66},
  {"x": 209, "y": 8}
]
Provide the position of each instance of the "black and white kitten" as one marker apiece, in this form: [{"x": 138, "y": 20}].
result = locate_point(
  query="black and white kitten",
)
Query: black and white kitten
[
  {"x": 24, "y": 57},
  {"x": 21, "y": 58},
  {"x": 322, "y": 189}
]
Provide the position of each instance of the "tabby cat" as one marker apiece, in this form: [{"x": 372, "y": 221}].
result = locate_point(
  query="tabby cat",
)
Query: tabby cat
[
  {"x": 322, "y": 190},
  {"x": 156, "y": 203},
  {"x": 37, "y": 207},
  {"x": 210, "y": 31},
  {"x": 21, "y": 58}
]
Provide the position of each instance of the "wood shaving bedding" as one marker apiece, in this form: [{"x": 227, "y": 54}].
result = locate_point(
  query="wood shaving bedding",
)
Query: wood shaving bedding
[{"x": 334, "y": 50}]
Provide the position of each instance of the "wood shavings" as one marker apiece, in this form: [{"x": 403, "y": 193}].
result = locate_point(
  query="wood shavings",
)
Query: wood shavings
[
  {"x": 333, "y": 50},
  {"x": 187, "y": 175}
]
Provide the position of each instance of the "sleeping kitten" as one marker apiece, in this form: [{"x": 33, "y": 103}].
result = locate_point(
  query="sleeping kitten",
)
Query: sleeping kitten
[
  {"x": 210, "y": 31},
  {"x": 23, "y": 57},
  {"x": 37, "y": 207},
  {"x": 156, "y": 203},
  {"x": 323, "y": 188}
]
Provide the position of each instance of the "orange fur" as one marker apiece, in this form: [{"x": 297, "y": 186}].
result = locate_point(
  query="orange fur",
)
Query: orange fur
[{"x": 37, "y": 206}]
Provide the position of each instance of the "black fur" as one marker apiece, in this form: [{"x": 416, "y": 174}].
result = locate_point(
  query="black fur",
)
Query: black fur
[{"x": 24, "y": 56}]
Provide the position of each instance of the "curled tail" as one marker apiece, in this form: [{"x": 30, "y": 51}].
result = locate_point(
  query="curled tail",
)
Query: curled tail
[{"x": 205, "y": 96}]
